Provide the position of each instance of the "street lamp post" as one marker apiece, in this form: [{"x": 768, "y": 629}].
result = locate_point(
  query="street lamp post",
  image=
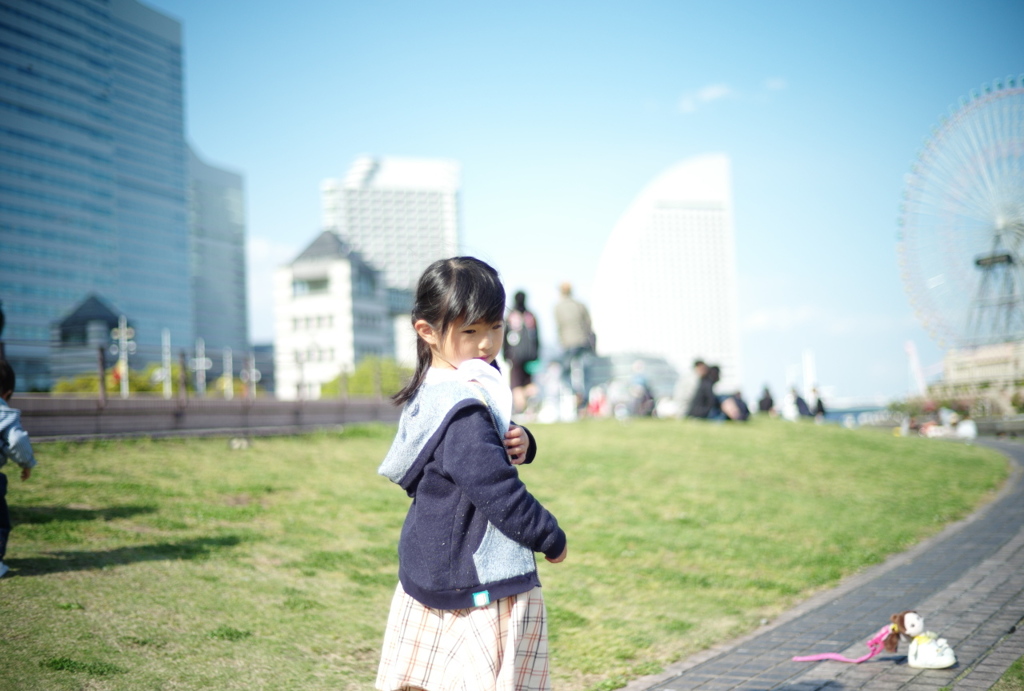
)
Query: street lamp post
[
  {"x": 124, "y": 346},
  {"x": 165, "y": 356},
  {"x": 229, "y": 377},
  {"x": 250, "y": 375},
  {"x": 200, "y": 363}
]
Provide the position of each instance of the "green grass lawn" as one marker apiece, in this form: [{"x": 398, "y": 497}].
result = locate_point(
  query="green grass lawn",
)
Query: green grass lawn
[
  {"x": 182, "y": 564},
  {"x": 1012, "y": 679}
]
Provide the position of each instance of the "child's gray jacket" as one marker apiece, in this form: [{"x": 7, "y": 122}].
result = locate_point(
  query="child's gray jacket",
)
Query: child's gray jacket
[
  {"x": 14, "y": 442},
  {"x": 472, "y": 529}
]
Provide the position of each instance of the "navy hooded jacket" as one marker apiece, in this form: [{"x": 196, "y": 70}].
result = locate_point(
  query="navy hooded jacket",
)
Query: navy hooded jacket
[{"x": 472, "y": 529}]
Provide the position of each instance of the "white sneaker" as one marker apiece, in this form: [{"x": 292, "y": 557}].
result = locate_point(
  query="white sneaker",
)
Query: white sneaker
[{"x": 4, "y": 568}]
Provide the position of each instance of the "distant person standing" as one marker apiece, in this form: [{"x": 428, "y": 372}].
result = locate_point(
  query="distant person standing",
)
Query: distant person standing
[
  {"x": 802, "y": 409},
  {"x": 766, "y": 404},
  {"x": 522, "y": 347},
  {"x": 577, "y": 339},
  {"x": 819, "y": 406}
]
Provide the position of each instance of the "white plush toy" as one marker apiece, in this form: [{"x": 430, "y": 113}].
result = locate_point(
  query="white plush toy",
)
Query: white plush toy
[{"x": 927, "y": 650}]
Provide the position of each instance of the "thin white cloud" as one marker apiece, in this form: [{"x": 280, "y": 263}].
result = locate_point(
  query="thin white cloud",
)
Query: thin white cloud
[
  {"x": 713, "y": 92},
  {"x": 690, "y": 102}
]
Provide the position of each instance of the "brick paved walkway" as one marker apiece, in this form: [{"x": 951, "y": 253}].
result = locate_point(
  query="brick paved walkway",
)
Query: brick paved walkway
[{"x": 967, "y": 583}]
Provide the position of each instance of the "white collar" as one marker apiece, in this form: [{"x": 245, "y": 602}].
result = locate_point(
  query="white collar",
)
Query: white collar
[{"x": 488, "y": 377}]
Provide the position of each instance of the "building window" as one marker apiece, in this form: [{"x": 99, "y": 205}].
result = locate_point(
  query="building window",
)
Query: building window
[
  {"x": 310, "y": 286},
  {"x": 365, "y": 283}
]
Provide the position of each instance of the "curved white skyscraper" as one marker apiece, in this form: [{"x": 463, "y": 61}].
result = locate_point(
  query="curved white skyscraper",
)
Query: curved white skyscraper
[{"x": 666, "y": 282}]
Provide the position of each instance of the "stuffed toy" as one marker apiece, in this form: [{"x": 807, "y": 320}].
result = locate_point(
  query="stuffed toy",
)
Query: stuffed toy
[{"x": 927, "y": 650}]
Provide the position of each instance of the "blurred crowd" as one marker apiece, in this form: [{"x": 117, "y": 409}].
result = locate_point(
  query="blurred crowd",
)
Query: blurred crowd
[
  {"x": 945, "y": 423},
  {"x": 567, "y": 387}
]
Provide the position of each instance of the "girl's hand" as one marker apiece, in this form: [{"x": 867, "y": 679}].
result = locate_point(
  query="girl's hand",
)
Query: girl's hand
[
  {"x": 517, "y": 443},
  {"x": 560, "y": 557},
  {"x": 26, "y": 473}
]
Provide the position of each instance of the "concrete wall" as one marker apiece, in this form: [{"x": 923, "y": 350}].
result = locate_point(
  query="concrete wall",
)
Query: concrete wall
[{"x": 53, "y": 417}]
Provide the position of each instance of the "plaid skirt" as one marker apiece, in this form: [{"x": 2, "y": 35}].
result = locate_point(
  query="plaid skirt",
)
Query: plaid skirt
[{"x": 502, "y": 646}]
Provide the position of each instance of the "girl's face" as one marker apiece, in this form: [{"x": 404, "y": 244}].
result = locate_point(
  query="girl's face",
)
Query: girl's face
[{"x": 480, "y": 340}]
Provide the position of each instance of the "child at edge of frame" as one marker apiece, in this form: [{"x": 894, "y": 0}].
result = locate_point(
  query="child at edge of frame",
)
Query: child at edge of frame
[
  {"x": 468, "y": 611},
  {"x": 15, "y": 446}
]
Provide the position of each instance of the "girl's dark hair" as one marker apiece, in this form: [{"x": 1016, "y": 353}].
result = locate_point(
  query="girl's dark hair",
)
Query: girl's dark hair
[
  {"x": 7, "y": 378},
  {"x": 459, "y": 288}
]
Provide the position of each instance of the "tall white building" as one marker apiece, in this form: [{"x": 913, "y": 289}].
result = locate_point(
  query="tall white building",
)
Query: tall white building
[
  {"x": 400, "y": 214},
  {"x": 331, "y": 309},
  {"x": 666, "y": 282}
]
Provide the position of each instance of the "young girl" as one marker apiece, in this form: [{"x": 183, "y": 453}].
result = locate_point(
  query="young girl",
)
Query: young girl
[{"x": 467, "y": 614}]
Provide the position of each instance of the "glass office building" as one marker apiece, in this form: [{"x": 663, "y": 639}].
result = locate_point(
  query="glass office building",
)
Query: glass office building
[
  {"x": 150, "y": 159},
  {"x": 217, "y": 222},
  {"x": 93, "y": 173}
]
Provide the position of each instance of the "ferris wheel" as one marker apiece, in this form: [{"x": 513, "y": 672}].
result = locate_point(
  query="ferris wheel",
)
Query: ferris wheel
[{"x": 961, "y": 238}]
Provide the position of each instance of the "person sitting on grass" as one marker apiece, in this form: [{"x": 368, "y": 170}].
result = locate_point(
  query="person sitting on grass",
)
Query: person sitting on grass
[
  {"x": 14, "y": 445},
  {"x": 704, "y": 404},
  {"x": 735, "y": 408}
]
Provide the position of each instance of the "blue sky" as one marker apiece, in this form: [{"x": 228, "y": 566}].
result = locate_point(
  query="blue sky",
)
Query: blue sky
[{"x": 560, "y": 113}]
